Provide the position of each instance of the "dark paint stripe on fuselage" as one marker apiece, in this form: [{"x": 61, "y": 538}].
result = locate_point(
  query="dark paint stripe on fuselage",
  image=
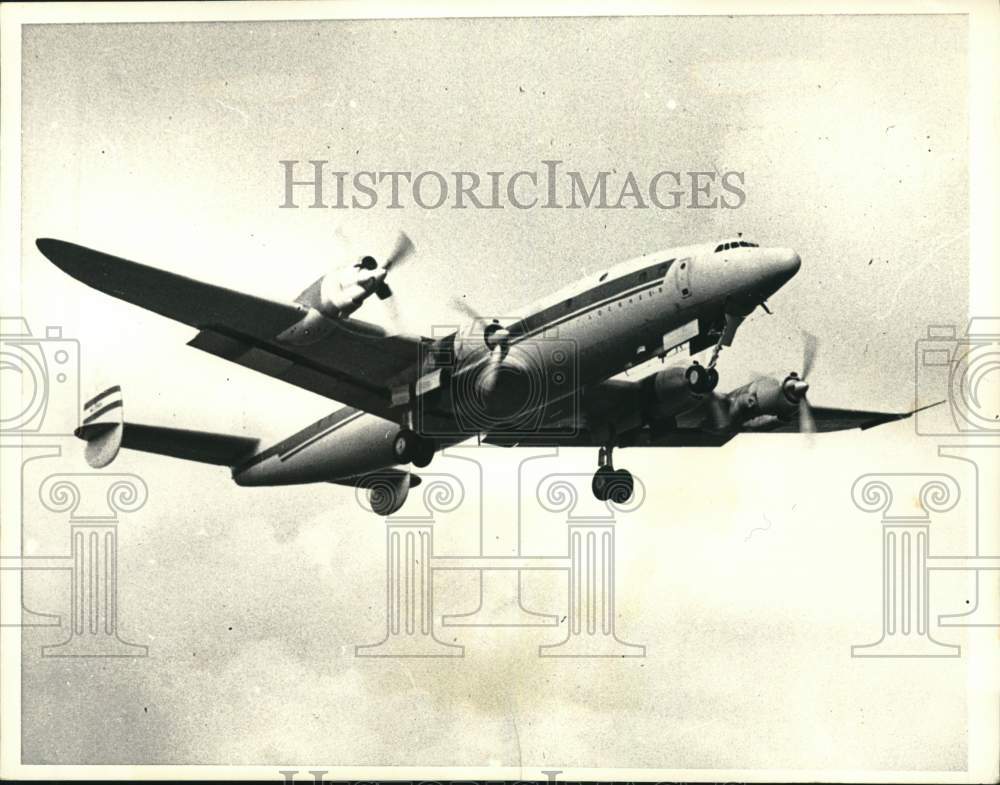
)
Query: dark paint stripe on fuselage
[
  {"x": 589, "y": 299},
  {"x": 608, "y": 292},
  {"x": 302, "y": 439}
]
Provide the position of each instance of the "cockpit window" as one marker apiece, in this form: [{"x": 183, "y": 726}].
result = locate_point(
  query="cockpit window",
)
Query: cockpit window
[{"x": 740, "y": 244}]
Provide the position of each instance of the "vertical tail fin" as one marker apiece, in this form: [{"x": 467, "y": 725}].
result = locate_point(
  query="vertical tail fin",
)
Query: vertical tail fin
[{"x": 103, "y": 426}]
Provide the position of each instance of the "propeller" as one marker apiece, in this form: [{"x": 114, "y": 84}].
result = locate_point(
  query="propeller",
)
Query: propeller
[
  {"x": 495, "y": 336},
  {"x": 404, "y": 248},
  {"x": 797, "y": 386}
]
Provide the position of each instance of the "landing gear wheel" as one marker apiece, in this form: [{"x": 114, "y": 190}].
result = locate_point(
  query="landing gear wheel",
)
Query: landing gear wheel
[
  {"x": 600, "y": 485},
  {"x": 424, "y": 453},
  {"x": 620, "y": 488},
  {"x": 404, "y": 446},
  {"x": 700, "y": 379}
]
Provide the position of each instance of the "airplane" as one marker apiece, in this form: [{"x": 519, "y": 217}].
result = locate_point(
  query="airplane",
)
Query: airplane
[{"x": 544, "y": 377}]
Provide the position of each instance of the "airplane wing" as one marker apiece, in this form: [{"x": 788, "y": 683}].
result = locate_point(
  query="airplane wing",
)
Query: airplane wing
[
  {"x": 617, "y": 402},
  {"x": 354, "y": 364},
  {"x": 829, "y": 419}
]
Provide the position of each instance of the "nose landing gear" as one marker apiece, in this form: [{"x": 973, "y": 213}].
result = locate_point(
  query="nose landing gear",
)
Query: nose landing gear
[{"x": 610, "y": 484}]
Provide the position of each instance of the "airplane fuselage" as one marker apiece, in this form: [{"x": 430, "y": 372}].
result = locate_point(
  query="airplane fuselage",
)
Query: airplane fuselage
[{"x": 496, "y": 375}]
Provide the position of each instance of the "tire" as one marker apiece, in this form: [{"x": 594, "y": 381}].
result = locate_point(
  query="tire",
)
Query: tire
[
  {"x": 697, "y": 378},
  {"x": 713, "y": 379},
  {"x": 424, "y": 453},
  {"x": 603, "y": 478},
  {"x": 404, "y": 446},
  {"x": 620, "y": 488}
]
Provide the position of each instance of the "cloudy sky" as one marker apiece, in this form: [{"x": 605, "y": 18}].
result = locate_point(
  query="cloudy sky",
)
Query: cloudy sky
[{"x": 161, "y": 143}]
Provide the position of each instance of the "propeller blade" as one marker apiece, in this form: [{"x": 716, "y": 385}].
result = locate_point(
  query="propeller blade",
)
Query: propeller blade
[
  {"x": 394, "y": 313},
  {"x": 807, "y": 424},
  {"x": 463, "y": 307},
  {"x": 404, "y": 247},
  {"x": 382, "y": 291},
  {"x": 810, "y": 345},
  {"x": 489, "y": 373}
]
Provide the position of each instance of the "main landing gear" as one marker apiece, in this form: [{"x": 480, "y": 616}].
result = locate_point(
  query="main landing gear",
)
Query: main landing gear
[
  {"x": 411, "y": 447},
  {"x": 610, "y": 484},
  {"x": 701, "y": 379}
]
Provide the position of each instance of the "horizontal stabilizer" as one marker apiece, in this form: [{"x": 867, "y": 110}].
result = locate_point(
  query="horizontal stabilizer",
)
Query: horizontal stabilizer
[
  {"x": 202, "y": 446},
  {"x": 106, "y": 432}
]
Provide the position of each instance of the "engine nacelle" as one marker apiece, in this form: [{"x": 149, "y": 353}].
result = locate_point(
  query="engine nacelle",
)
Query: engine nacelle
[
  {"x": 668, "y": 393},
  {"x": 336, "y": 295},
  {"x": 342, "y": 291},
  {"x": 767, "y": 397}
]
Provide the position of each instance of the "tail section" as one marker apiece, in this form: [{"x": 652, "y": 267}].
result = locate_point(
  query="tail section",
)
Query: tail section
[{"x": 106, "y": 432}]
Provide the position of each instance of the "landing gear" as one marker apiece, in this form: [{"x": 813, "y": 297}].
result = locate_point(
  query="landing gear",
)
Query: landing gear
[
  {"x": 410, "y": 447},
  {"x": 404, "y": 445},
  {"x": 425, "y": 453},
  {"x": 610, "y": 484},
  {"x": 700, "y": 379}
]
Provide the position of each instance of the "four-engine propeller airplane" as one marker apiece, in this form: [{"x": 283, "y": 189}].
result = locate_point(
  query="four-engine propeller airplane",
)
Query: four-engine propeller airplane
[{"x": 541, "y": 378}]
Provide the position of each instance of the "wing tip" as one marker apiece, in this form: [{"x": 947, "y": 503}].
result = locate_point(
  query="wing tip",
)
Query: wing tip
[
  {"x": 928, "y": 406},
  {"x": 896, "y": 417},
  {"x": 47, "y": 245},
  {"x": 59, "y": 252}
]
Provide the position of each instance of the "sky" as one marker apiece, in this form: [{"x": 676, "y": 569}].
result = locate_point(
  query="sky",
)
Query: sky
[{"x": 161, "y": 143}]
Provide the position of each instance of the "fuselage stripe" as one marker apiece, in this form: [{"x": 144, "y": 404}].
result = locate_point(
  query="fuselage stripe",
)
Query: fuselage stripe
[
  {"x": 315, "y": 438},
  {"x": 587, "y": 309}
]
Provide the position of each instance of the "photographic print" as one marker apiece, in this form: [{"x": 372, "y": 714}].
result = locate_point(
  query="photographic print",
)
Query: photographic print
[{"x": 445, "y": 392}]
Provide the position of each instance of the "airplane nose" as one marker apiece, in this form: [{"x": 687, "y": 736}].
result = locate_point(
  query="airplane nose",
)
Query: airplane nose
[{"x": 787, "y": 262}]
